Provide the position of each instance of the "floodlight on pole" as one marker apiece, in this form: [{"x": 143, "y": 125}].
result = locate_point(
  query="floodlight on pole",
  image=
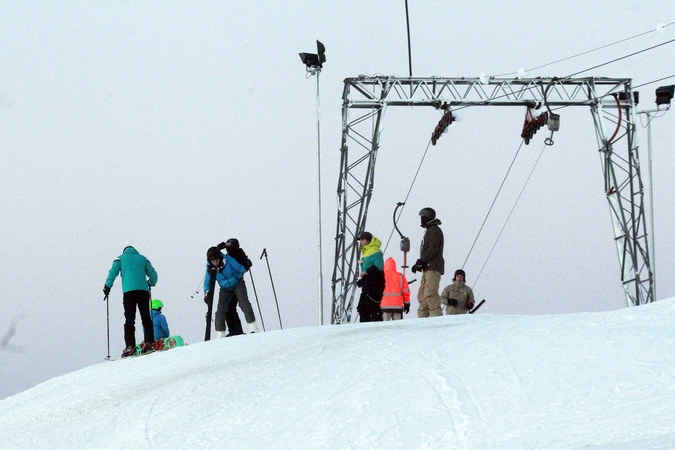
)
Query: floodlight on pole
[
  {"x": 314, "y": 64},
  {"x": 664, "y": 95}
]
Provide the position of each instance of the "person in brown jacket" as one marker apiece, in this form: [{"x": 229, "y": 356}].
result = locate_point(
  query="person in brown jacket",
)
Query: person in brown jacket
[
  {"x": 458, "y": 296},
  {"x": 431, "y": 264}
]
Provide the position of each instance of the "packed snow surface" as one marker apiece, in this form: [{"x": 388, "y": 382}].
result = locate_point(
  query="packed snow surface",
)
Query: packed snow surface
[{"x": 593, "y": 380}]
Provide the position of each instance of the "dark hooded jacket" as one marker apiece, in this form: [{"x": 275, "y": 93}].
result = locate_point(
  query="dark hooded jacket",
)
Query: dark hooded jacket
[{"x": 431, "y": 250}]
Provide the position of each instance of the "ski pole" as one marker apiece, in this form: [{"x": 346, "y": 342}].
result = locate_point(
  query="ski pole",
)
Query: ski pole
[
  {"x": 255, "y": 293},
  {"x": 107, "y": 319},
  {"x": 264, "y": 253}
]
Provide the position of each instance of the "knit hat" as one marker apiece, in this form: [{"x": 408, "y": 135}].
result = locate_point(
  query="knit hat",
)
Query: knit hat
[
  {"x": 213, "y": 253},
  {"x": 459, "y": 272}
]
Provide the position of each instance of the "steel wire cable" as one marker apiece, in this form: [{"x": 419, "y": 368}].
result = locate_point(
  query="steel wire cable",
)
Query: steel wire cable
[
  {"x": 493, "y": 202},
  {"x": 509, "y": 216},
  {"x": 408, "y": 194},
  {"x": 622, "y": 57},
  {"x": 587, "y": 51}
]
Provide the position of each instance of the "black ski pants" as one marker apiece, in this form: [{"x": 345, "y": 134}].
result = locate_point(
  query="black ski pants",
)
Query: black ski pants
[{"x": 140, "y": 300}]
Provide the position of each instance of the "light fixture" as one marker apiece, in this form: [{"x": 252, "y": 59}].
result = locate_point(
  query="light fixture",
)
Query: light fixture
[
  {"x": 314, "y": 61},
  {"x": 664, "y": 95}
]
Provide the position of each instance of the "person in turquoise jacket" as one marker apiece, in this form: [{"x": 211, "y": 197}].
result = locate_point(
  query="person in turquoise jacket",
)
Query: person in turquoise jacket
[
  {"x": 229, "y": 274},
  {"x": 138, "y": 276}
]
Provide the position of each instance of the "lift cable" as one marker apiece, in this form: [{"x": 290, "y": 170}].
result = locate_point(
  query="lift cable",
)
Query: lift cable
[
  {"x": 408, "y": 194},
  {"x": 622, "y": 57},
  {"x": 655, "y": 81},
  {"x": 493, "y": 201},
  {"x": 508, "y": 217},
  {"x": 588, "y": 51}
]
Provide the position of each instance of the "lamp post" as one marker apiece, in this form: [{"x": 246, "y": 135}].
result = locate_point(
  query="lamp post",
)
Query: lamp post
[
  {"x": 314, "y": 63},
  {"x": 664, "y": 95}
]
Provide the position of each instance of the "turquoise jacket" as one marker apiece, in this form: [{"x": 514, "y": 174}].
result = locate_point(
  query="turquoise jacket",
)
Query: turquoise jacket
[
  {"x": 228, "y": 275},
  {"x": 137, "y": 272}
]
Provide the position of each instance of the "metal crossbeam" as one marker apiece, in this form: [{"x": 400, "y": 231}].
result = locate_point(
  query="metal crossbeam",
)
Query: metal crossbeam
[{"x": 365, "y": 100}]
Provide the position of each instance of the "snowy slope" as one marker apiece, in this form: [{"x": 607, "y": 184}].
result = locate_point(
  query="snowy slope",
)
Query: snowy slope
[{"x": 596, "y": 380}]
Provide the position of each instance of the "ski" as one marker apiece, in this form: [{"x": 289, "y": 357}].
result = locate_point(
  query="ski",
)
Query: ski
[
  {"x": 473, "y": 310},
  {"x": 213, "y": 272}
]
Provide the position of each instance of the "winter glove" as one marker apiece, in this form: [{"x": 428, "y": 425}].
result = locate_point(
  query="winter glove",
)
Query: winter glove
[
  {"x": 359, "y": 283},
  {"x": 452, "y": 302},
  {"x": 406, "y": 308},
  {"x": 206, "y": 297},
  {"x": 221, "y": 246},
  {"x": 419, "y": 266},
  {"x": 469, "y": 304},
  {"x": 106, "y": 290}
]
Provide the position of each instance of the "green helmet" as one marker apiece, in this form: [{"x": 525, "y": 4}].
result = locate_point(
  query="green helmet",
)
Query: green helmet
[{"x": 157, "y": 304}]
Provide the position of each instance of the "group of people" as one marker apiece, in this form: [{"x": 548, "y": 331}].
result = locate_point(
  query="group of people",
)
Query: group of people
[
  {"x": 139, "y": 276},
  {"x": 385, "y": 294}
]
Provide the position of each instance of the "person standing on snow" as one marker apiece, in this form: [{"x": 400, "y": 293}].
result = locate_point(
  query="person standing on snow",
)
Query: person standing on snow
[
  {"x": 431, "y": 264},
  {"x": 138, "y": 276},
  {"x": 233, "y": 250},
  {"x": 396, "y": 296},
  {"x": 228, "y": 274},
  {"x": 161, "y": 328},
  {"x": 458, "y": 296},
  {"x": 372, "y": 278}
]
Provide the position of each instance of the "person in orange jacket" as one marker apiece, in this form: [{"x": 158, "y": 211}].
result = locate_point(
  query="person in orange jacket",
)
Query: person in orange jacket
[{"x": 396, "y": 297}]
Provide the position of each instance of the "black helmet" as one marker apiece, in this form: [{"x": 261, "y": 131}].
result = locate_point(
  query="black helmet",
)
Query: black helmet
[
  {"x": 428, "y": 213},
  {"x": 232, "y": 243},
  {"x": 213, "y": 253},
  {"x": 459, "y": 272}
]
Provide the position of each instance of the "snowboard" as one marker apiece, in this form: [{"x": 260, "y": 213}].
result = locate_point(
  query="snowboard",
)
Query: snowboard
[
  {"x": 477, "y": 306},
  {"x": 164, "y": 344},
  {"x": 213, "y": 272}
]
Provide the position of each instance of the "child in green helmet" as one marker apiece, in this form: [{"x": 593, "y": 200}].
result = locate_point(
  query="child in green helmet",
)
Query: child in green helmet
[{"x": 159, "y": 321}]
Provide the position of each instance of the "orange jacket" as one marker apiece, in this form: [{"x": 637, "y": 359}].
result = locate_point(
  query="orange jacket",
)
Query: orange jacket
[{"x": 396, "y": 290}]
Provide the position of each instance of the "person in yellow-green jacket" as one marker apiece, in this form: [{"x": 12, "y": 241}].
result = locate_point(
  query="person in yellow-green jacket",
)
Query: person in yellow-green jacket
[{"x": 371, "y": 279}]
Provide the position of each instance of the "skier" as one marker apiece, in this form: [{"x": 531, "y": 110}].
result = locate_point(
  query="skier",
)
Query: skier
[
  {"x": 161, "y": 328},
  {"x": 138, "y": 276},
  {"x": 431, "y": 264},
  {"x": 233, "y": 250},
  {"x": 458, "y": 296},
  {"x": 372, "y": 278},
  {"x": 396, "y": 297},
  {"x": 228, "y": 274}
]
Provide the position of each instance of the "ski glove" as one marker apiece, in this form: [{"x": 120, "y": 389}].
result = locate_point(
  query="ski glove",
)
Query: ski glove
[
  {"x": 452, "y": 302},
  {"x": 406, "y": 308},
  {"x": 106, "y": 290},
  {"x": 359, "y": 283},
  {"x": 419, "y": 266},
  {"x": 221, "y": 246},
  {"x": 206, "y": 297}
]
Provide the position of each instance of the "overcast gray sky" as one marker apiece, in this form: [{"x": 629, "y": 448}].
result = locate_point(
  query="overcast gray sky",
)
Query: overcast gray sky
[{"x": 172, "y": 126}]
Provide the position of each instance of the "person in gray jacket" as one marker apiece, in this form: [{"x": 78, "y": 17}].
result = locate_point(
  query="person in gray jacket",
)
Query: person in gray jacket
[
  {"x": 431, "y": 264},
  {"x": 457, "y": 296}
]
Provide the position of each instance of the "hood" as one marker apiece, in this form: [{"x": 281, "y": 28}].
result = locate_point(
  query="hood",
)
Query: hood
[
  {"x": 390, "y": 265},
  {"x": 129, "y": 250},
  {"x": 372, "y": 247},
  {"x": 432, "y": 222}
]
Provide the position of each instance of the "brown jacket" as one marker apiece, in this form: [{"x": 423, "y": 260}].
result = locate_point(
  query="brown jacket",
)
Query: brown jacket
[{"x": 431, "y": 250}]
